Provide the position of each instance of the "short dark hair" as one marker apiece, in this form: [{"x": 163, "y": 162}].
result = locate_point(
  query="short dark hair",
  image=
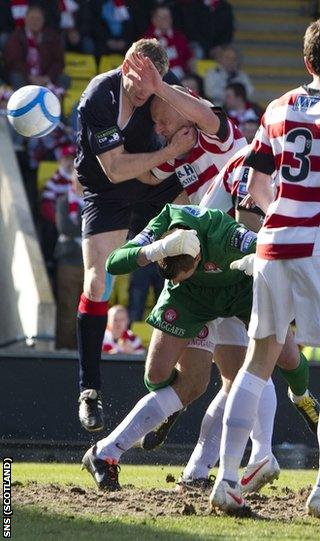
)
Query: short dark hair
[
  {"x": 239, "y": 90},
  {"x": 153, "y": 49},
  {"x": 311, "y": 46},
  {"x": 169, "y": 267}
]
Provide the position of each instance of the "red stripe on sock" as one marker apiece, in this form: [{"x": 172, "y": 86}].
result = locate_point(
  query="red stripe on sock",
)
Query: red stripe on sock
[{"x": 92, "y": 308}]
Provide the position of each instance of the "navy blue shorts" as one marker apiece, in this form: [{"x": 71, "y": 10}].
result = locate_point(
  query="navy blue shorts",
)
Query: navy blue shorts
[{"x": 102, "y": 213}]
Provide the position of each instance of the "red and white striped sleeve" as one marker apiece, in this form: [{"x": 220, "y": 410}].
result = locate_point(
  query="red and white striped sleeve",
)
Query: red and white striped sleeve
[{"x": 218, "y": 143}]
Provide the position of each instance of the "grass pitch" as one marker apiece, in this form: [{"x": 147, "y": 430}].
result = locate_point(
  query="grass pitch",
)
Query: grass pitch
[{"x": 57, "y": 502}]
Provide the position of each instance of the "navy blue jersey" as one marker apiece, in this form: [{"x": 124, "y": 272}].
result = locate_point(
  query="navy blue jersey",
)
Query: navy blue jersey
[{"x": 99, "y": 132}]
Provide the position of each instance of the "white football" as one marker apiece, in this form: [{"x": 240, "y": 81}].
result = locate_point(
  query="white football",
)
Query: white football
[{"x": 33, "y": 111}]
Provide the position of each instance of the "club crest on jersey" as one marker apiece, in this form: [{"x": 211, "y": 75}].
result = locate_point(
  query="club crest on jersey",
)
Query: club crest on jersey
[
  {"x": 145, "y": 237},
  {"x": 170, "y": 315},
  {"x": 210, "y": 266},
  {"x": 203, "y": 333},
  {"x": 302, "y": 102},
  {"x": 186, "y": 174}
]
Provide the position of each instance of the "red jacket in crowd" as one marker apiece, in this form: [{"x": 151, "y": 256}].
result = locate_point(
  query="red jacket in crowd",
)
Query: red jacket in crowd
[
  {"x": 50, "y": 52},
  {"x": 177, "y": 48}
]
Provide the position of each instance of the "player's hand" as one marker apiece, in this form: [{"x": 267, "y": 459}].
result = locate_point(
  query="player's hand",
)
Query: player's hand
[
  {"x": 143, "y": 74},
  {"x": 245, "y": 264},
  {"x": 181, "y": 241},
  {"x": 182, "y": 141},
  {"x": 247, "y": 202}
]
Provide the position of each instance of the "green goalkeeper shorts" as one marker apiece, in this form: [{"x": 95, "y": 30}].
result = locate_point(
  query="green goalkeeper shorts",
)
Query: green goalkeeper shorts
[{"x": 182, "y": 310}]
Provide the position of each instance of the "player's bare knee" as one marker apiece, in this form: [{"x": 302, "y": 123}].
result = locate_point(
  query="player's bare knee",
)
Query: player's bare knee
[
  {"x": 189, "y": 392},
  {"x": 94, "y": 286},
  {"x": 156, "y": 374},
  {"x": 289, "y": 358}
]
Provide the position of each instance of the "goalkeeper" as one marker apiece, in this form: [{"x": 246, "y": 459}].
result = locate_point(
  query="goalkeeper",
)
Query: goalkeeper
[{"x": 195, "y": 258}]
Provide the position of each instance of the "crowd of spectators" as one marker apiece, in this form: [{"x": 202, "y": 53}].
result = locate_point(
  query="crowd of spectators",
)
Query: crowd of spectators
[{"x": 34, "y": 37}]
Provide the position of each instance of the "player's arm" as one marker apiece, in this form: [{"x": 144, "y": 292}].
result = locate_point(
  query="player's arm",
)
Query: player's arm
[
  {"x": 197, "y": 111},
  {"x": 120, "y": 166},
  {"x": 148, "y": 246},
  {"x": 106, "y": 141},
  {"x": 250, "y": 215},
  {"x": 262, "y": 163},
  {"x": 260, "y": 189}
]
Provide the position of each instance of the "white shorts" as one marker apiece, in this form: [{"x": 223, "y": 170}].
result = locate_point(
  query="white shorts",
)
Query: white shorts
[
  {"x": 284, "y": 290},
  {"x": 229, "y": 331}
]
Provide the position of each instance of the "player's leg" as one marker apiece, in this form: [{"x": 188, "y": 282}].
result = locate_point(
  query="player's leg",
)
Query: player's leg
[
  {"x": 229, "y": 359},
  {"x": 162, "y": 400},
  {"x": 306, "y": 295},
  {"x": 194, "y": 319},
  {"x": 206, "y": 452},
  {"x": 91, "y": 324},
  {"x": 239, "y": 417},
  {"x": 174, "y": 312},
  {"x": 263, "y": 466},
  {"x": 272, "y": 312},
  {"x": 294, "y": 367},
  {"x": 313, "y": 501},
  {"x": 199, "y": 350}
]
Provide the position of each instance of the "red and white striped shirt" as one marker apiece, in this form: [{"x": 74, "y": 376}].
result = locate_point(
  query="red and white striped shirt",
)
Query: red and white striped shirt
[
  {"x": 230, "y": 184},
  {"x": 115, "y": 346},
  {"x": 200, "y": 166},
  {"x": 288, "y": 142}
]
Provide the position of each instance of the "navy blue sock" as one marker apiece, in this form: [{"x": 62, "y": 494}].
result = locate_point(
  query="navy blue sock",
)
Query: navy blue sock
[{"x": 91, "y": 325}]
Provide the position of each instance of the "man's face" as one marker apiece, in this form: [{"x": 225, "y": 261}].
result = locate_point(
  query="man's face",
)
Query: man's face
[
  {"x": 162, "y": 19},
  {"x": 167, "y": 121},
  {"x": 118, "y": 324},
  {"x": 229, "y": 60},
  {"x": 34, "y": 21},
  {"x": 136, "y": 97}
]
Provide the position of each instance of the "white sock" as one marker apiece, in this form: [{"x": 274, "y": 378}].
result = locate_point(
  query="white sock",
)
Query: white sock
[
  {"x": 206, "y": 452},
  {"x": 148, "y": 413},
  {"x": 239, "y": 415},
  {"x": 261, "y": 435}
]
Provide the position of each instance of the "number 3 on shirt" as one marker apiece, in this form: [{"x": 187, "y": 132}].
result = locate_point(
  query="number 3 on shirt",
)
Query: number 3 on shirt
[{"x": 302, "y": 156}]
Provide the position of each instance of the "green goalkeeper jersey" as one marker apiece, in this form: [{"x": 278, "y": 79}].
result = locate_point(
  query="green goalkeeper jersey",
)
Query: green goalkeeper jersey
[{"x": 222, "y": 241}]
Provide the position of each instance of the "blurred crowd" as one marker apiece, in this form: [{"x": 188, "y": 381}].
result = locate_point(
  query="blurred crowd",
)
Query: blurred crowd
[{"x": 35, "y": 36}]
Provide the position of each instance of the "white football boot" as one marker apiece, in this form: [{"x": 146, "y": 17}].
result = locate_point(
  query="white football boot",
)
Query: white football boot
[
  {"x": 313, "y": 502},
  {"x": 259, "y": 474},
  {"x": 225, "y": 497}
]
